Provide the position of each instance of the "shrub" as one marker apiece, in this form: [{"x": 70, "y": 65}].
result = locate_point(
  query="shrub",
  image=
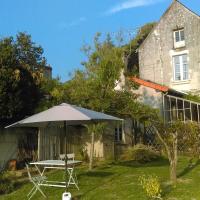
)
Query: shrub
[
  {"x": 6, "y": 186},
  {"x": 140, "y": 153},
  {"x": 84, "y": 154},
  {"x": 151, "y": 185}
]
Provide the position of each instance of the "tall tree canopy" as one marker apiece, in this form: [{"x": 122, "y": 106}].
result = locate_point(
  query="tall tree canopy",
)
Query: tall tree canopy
[
  {"x": 94, "y": 86},
  {"x": 131, "y": 53},
  {"x": 21, "y": 74}
]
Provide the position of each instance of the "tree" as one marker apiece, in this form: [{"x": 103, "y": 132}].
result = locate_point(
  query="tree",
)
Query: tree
[
  {"x": 193, "y": 97},
  {"x": 21, "y": 75},
  {"x": 94, "y": 130},
  {"x": 55, "y": 92},
  {"x": 178, "y": 134},
  {"x": 131, "y": 49},
  {"x": 93, "y": 87}
]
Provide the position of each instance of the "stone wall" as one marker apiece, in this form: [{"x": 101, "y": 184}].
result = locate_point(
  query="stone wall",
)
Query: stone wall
[{"x": 156, "y": 52}]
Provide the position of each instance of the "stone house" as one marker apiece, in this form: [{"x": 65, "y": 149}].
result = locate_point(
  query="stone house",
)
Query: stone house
[
  {"x": 170, "y": 55},
  {"x": 169, "y": 64}
]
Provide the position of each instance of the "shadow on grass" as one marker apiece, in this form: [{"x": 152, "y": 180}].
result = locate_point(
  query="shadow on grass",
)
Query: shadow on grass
[
  {"x": 166, "y": 190},
  {"x": 135, "y": 164},
  {"x": 77, "y": 197},
  {"x": 96, "y": 174},
  {"x": 18, "y": 185},
  {"x": 101, "y": 174},
  {"x": 189, "y": 168}
]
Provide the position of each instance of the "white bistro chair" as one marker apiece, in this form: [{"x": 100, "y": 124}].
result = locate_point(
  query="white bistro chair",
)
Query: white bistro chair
[
  {"x": 72, "y": 175},
  {"x": 36, "y": 181}
]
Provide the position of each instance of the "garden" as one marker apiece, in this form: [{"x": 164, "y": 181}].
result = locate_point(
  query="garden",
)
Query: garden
[{"x": 145, "y": 176}]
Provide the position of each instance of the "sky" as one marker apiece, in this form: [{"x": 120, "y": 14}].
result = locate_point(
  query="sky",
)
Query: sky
[{"x": 62, "y": 27}]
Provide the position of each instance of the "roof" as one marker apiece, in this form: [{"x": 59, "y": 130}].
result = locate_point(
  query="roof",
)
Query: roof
[
  {"x": 157, "y": 86},
  {"x": 150, "y": 84},
  {"x": 173, "y": 2}
]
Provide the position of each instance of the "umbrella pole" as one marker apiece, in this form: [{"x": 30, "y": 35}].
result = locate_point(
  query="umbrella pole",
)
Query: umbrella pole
[{"x": 66, "y": 158}]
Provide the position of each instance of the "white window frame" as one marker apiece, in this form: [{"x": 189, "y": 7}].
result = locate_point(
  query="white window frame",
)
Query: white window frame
[
  {"x": 180, "y": 43},
  {"x": 181, "y": 66},
  {"x": 118, "y": 131}
]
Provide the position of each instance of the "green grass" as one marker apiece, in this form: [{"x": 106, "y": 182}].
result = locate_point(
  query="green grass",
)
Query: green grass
[{"x": 120, "y": 181}]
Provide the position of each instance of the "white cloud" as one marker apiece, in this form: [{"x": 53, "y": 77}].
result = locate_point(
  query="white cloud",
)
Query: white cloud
[
  {"x": 130, "y": 4},
  {"x": 77, "y": 22},
  {"x": 65, "y": 25}
]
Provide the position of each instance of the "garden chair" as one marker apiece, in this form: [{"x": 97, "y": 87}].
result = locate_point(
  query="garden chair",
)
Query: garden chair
[
  {"x": 36, "y": 181},
  {"x": 72, "y": 175},
  {"x": 62, "y": 156}
]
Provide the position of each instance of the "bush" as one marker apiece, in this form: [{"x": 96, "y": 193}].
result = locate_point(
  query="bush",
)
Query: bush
[
  {"x": 6, "y": 186},
  {"x": 140, "y": 153},
  {"x": 84, "y": 154},
  {"x": 151, "y": 185}
]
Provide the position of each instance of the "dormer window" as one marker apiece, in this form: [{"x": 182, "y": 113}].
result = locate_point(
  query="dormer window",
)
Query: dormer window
[{"x": 179, "y": 38}]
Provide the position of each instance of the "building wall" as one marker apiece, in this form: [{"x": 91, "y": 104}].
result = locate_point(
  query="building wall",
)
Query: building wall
[
  {"x": 155, "y": 54},
  {"x": 9, "y": 143},
  {"x": 150, "y": 96},
  {"x": 50, "y": 142}
]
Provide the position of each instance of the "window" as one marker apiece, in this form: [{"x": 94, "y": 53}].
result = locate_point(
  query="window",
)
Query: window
[
  {"x": 181, "y": 67},
  {"x": 179, "y": 38},
  {"x": 118, "y": 133}
]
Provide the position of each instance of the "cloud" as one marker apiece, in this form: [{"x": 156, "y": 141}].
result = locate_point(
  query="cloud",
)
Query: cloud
[
  {"x": 130, "y": 4},
  {"x": 77, "y": 22}
]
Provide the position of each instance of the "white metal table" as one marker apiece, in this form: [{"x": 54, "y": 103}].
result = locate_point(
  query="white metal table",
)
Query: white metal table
[{"x": 57, "y": 164}]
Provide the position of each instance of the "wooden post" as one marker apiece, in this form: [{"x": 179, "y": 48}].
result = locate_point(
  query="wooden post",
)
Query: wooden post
[
  {"x": 184, "y": 110},
  {"x": 163, "y": 104},
  {"x": 177, "y": 108},
  {"x": 190, "y": 111},
  {"x": 170, "y": 108}
]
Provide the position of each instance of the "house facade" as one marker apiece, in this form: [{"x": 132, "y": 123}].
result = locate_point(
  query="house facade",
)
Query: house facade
[
  {"x": 169, "y": 64},
  {"x": 170, "y": 55}
]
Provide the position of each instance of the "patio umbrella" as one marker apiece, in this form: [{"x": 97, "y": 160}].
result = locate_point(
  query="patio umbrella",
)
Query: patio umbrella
[{"x": 64, "y": 115}]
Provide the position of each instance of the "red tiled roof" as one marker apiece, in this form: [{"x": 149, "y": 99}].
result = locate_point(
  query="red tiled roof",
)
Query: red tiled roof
[{"x": 149, "y": 84}]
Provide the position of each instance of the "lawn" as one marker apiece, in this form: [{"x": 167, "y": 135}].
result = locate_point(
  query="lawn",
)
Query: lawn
[{"x": 120, "y": 181}]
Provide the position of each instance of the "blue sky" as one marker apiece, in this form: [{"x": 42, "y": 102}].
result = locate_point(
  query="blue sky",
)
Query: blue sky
[{"x": 61, "y": 27}]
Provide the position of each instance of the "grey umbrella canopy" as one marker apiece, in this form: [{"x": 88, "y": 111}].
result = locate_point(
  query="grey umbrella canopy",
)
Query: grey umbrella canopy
[{"x": 63, "y": 113}]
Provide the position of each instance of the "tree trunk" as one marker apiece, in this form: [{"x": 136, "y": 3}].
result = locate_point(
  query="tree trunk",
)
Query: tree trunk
[
  {"x": 91, "y": 151},
  {"x": 173, "y": 176},
  {"x": 172, "y": 153},
  {"x": 174, "y": 159}
]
